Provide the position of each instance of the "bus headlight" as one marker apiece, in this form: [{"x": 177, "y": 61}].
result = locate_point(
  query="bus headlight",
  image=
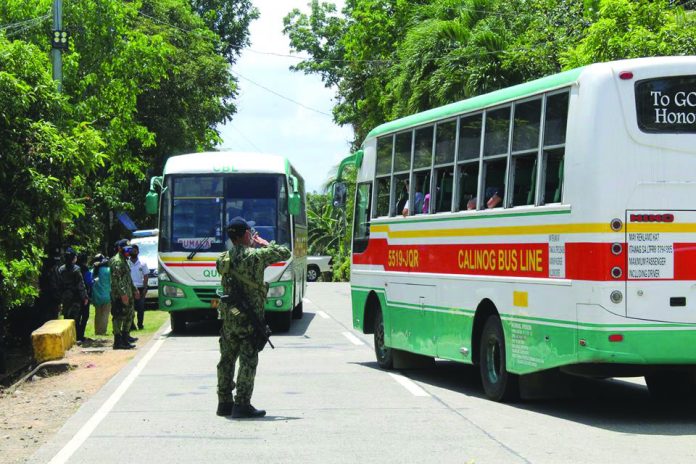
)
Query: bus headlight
[
  {"x": 276, "y": 292},
  {"x": 162, "y": 275},
  {"x": 173, "y": 292}
]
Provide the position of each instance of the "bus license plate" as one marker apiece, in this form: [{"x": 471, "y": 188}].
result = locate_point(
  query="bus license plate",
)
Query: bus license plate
[{"x": 214, "y": 303}]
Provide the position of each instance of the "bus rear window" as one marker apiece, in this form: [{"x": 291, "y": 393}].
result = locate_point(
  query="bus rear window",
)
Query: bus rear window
[{"x": 667, "y": 105}]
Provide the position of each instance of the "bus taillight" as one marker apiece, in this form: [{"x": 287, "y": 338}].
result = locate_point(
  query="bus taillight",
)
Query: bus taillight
[
  {"x": 626, "y": 75},
  {"x": 615, "y": 338}
]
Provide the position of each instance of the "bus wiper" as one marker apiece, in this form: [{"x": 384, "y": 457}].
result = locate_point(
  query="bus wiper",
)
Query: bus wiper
[{"x": 200, "y": 246}]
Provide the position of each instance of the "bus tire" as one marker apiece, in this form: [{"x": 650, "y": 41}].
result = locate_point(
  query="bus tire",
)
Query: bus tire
[
  {"x": 498, "y": 383},
  {"x": 312, "y": 273},
  {"x": 178, "y": 322},
  {"x": 384, "y": 354},
  {"x": 670, "y": 386},
  {"x": 298, "y": 311},
  {"x": 283, "y": 321}
]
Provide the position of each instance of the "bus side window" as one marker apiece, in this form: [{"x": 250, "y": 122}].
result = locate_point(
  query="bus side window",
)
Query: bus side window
[
  {"x": 385, "y": 153},
  {"x": 495, "y": 148},
  {"x": 422, "y": 160},
  {"x": 525, "y": 151},
  {"x": 383, "y": 192},
  {"x": 555, "y": 125},
  {"x": 468, "y": 154}
]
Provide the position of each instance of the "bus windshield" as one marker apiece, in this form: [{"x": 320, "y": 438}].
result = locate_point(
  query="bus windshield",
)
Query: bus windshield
[{"x": 196, "y": 207}]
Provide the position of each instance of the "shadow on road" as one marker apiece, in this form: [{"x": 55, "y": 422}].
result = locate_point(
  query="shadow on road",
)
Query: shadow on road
[{"x": 614, "y": 404}]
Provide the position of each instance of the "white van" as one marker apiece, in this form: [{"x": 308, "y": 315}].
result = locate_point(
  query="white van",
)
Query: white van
[{"x": 147, "y": 244}]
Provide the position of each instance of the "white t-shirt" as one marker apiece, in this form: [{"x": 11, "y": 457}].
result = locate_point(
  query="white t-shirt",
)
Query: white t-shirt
[{"x": 138, "y": 271}]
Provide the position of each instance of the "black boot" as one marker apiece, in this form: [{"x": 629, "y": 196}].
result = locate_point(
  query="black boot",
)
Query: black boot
[
  {"x": 246, "y": 411},
  {"x": 224, "y": 408},
  {"x": 122, "y": 343},
  {"x": 131, "y": 339}
]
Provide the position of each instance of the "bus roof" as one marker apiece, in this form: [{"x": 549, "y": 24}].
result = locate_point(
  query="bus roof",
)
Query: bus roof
[
  {"x": 226, "y": 162},
  {"x": 479, "y": 102}
]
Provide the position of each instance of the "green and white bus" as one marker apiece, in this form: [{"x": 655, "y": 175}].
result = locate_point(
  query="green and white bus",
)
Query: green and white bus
[
  {"x": 546, "y": 226},
  {"x": 200, "y": 193}
]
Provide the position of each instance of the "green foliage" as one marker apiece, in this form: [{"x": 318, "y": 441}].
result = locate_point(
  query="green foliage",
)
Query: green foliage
[
  {"x": 143, "y": 80},
  {"x": 631, "y": 29}
]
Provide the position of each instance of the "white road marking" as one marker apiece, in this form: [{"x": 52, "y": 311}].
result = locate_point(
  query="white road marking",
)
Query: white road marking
[
  {"x": 323, "y": 314},
  {"x": 87, "y": 429},
  {"x": 353, "y": 339},
  {"x": 409, "y": 385}
]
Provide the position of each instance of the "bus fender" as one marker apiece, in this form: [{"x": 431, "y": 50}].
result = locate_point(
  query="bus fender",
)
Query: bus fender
[{"x": 372, "y": 307}]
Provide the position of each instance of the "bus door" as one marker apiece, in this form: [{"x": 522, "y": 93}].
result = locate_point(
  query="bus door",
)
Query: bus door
[{"x": 661, "y": 265}]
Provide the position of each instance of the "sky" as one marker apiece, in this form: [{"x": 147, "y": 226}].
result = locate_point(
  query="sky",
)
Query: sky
[{"x": 268, "y": 123}]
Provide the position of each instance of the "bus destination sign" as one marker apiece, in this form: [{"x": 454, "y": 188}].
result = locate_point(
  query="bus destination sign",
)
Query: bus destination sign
[{"x": 667, "y": 104}]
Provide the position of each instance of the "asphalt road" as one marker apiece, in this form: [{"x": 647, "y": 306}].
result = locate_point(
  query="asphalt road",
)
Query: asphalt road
[{"x": 328, "y": 402}]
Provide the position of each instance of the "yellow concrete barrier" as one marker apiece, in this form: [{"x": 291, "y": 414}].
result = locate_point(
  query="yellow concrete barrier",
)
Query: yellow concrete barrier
[{"x": 53, "y": 339}]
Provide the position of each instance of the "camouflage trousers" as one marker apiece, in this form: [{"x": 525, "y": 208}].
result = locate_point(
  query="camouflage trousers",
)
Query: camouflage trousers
[
  {"x": 71, "y": 310},
  {"x": 236, "y": 344},
  {"x": 122, "y": 316}
]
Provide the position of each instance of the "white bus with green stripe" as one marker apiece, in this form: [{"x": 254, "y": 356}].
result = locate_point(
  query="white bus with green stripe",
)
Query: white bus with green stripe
[
  {"x": 199, "y": 194},
  {"x": 546, "y": 226}
]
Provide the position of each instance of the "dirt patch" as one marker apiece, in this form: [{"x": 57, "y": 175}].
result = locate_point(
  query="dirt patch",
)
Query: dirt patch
[{"x": 37, "y": 409}]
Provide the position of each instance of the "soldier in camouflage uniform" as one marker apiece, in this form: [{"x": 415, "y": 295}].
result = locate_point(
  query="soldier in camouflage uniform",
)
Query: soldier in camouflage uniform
[
  {"x": 122, "y": 291},
  {"x": 72, "y": 287},
  {"x": 241, "y": 269}
]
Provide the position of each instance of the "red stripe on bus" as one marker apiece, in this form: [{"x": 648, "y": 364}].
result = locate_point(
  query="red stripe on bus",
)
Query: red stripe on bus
[
  {"x": 590, "y": 261},
  {"x": 684, "y": 261}
]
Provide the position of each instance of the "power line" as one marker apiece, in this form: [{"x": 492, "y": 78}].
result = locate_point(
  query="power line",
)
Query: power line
[
  {"x": 23, "y": 22},
  {"x": 280, "y": 95},
  {"x": 245, "y": 137}
]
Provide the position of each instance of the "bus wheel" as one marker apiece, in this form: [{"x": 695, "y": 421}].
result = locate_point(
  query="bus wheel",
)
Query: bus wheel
[
  {"x": 670, "y": 386},
  {"x": 312, "y": 273},
  {"x": 298, "y": 311},
  {"x": 385, "y": 355},
  {"x": 178, "y": 322},
  {"x": 283, "y": 321},
  {"x": 498, "y": 383}
]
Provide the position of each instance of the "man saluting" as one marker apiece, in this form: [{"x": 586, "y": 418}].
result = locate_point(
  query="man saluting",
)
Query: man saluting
[{"x": 241, "y": 270}]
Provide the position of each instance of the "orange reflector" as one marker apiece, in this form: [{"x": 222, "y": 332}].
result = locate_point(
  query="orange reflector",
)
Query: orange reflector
[
  {"x": 615, "y": 338},
  {"x": 626, "y": 75}
]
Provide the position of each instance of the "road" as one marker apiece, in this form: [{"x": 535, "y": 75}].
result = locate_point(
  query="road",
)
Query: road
[{"x": 328, "y": 402}]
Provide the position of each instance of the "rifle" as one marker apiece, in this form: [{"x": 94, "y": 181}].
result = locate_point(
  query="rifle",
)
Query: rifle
[{"x": 263, "y": 333}]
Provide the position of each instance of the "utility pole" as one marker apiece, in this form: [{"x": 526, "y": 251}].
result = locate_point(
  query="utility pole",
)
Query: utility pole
[{"x": 59, "y": 42}]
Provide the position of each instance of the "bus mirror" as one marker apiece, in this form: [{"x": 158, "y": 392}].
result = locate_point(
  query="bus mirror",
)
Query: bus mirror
[
  {"x": 339, "y": 195},
  {"x": 293, "y": 181},
  {"x": 294, "y": 204},
  {"x": 151, "y": 202}
]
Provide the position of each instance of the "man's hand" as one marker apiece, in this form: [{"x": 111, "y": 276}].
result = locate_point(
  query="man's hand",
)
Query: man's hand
[
  {"x": 136, "y": 294},
  {"x": 124, "y": 299},
  {"x": 260, "y": 241},
  {"x": 85, "y": 301}
]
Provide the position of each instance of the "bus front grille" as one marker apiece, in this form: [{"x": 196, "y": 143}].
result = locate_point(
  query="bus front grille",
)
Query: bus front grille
[{"x": 205, "y": 294}]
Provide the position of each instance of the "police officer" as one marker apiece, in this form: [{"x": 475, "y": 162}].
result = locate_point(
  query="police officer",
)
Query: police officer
[
  {"x": 241, "y": 270},
  {"x": 73, "y": 293},
  {"x": 122, "y": 296}
]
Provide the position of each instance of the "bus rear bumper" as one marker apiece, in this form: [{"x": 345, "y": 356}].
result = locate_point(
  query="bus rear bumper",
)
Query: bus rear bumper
[{"x": 659, "y": 346}]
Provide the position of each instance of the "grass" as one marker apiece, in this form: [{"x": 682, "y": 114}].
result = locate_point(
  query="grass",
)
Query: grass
[{"x": 153, "y": 320}]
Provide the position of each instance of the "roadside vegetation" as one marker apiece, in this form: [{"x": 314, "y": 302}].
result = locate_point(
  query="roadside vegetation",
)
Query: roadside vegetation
[{"x": 142, "y": 80}]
